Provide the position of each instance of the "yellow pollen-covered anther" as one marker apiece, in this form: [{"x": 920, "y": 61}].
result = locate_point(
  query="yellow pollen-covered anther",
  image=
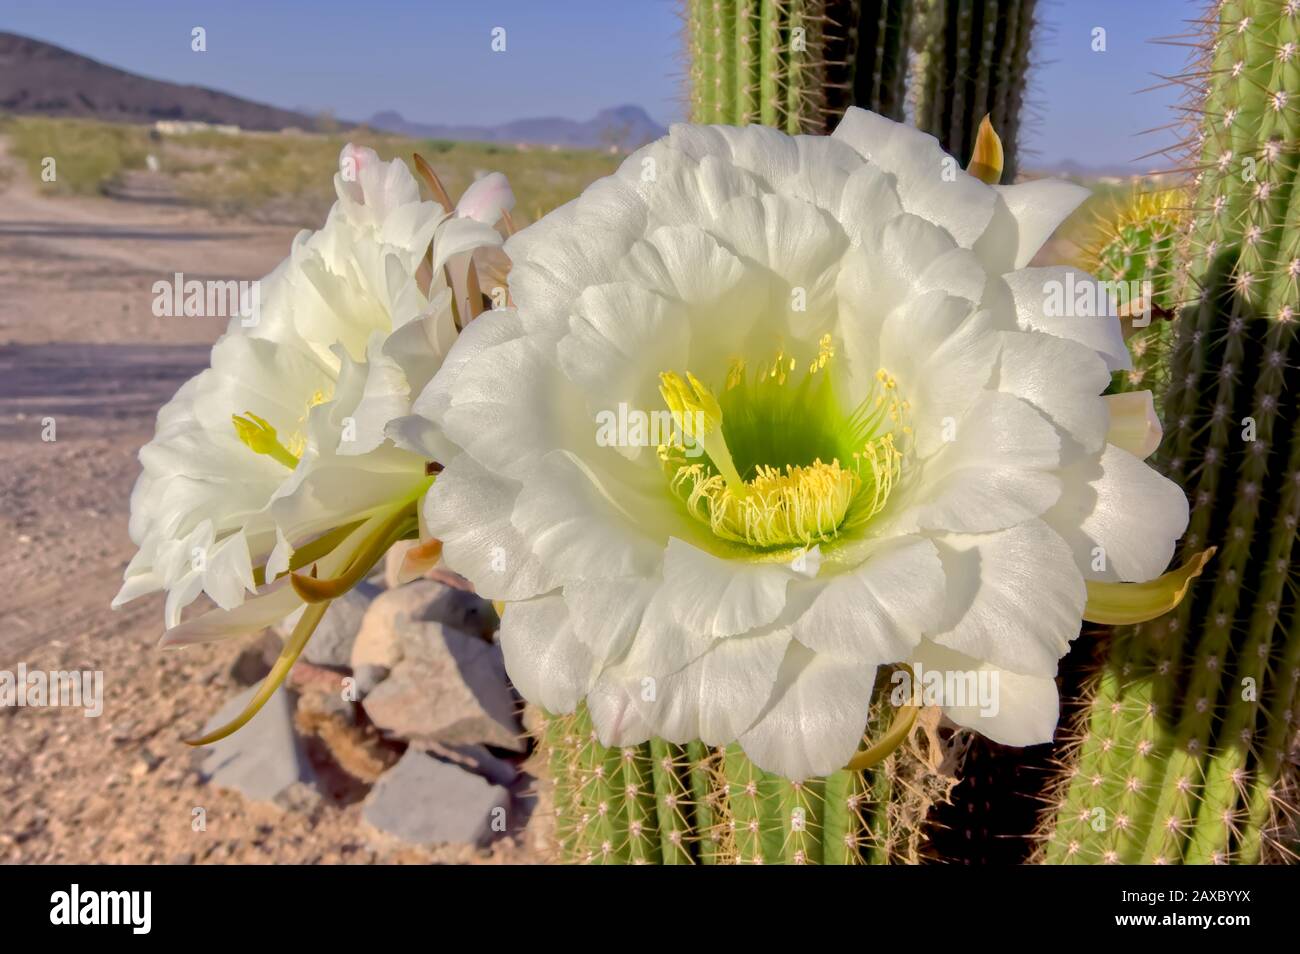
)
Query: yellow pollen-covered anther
[
  {"x": 800, "y": 505},
  {"x": 699, "y": 417},
  {"x": 261, "y": 438}
]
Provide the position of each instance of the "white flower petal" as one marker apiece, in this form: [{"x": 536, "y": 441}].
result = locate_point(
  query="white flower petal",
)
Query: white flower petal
[
  {"x": 582, "y": 523},
  {"x": 606, "y": 614},
  {"x": 1037, "y": 208},
  {"x": 1060, "y": 378},
  {"x": 815, "y": 719},
  {"x": 560, "y": 265},
  {"x": 796, "y": 240},
  {"x": 718, "y": 597},
  {"x": 1043, "y": 302},
  {"x": 1126, "y": 508},
  {"x": 457, "y": 236},
  {"x": 1023, "y": 710},
  {"x": 997, "y": 472},
  {"x": 265, "y": 609},
  {"x": 929, "y": 183},
  {"x": 878, "y": 611},
  {"x": 489, "y": 411},
  {"x": 486, "y": 199},
  {"x": 943, "y": 355},
  {"x": 616, "y": 360},
  {"x": 468, "y": 509},
  {"x": 715, "y": 696},
  {"x": 544, "y": 658},
  {"x": 1015, "y": 597},
  {"x": 682, "y": 262}
]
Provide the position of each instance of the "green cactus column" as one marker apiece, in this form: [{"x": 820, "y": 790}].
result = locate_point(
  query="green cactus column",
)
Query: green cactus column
[
  {"x": 1135, "y": 250},
  {"x": 973, "y": 61},
  {"x": 796, "y": 64},
  {"x": 799, "y": 64},
  {"x": 1183, "y": 755},
  {"x": 661, "y": 803}
]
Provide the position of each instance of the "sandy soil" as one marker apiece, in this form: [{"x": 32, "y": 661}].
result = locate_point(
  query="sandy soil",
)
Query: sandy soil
[{"x": 79, "y": 343}]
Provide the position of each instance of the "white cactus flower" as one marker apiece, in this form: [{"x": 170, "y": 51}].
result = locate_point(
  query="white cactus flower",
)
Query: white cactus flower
[
  {"x": 888, "y": 448},
  {"x": 276, "y": 455}
]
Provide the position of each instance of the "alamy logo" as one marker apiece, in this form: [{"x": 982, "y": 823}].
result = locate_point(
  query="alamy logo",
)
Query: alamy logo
[
  {"x": 971, "y": 688},
  {"x": 134, "y": 908},
  {"x": 1088, "y": 297},
  {"x": 208, "y": 299},
  {"x": 633, "y": 427},
  {"x": 55, "y": 689}
]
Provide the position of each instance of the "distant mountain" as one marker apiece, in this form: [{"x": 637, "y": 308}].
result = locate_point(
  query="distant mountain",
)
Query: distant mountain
[
  {"x": 1072, "y": 169},
  {"x": 39, "y": 77},
  {"x": 624, "y": 126}
]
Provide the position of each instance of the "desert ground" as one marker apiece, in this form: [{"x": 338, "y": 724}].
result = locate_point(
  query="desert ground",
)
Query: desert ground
[{"x": 79, "y": 344}]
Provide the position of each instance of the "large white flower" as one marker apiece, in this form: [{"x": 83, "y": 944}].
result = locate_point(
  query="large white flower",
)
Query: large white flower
[
  {"x": 905, "y": 451},
  {"x": 276, "y": 455}
]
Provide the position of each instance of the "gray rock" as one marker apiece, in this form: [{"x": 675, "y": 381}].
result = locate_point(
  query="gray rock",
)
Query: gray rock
[
  {"x": 377, "y": 643},
  {"x": 448, "y": 686},
  {"x": 462, "y": 609},
  {"x": 423, "y": 801},
  {"x": 264, "y": 760},
  {"x": 256, "y": 659},
  {"x": 365, "y": 678},
  {"x": 331, "y": 644},
  {"x": 477, "y": 759}
]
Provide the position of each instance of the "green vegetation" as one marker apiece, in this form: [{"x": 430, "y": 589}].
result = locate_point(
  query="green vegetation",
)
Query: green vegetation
[
  {"x": 89, "y": 156},
  {"x": 283, "y": 177}
]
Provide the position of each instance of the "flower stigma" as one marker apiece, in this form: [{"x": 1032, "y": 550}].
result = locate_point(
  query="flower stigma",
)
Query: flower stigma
[{"x": 785, "y": 466}]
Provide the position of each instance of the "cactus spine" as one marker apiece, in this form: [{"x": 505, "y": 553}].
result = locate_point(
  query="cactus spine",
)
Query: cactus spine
[
  {"x": 662, "y": 803},
  {"x": 973, "y": 62},
  {"x": 1136, "y": 249},
  {"x": 799, "y": 64},
  {"x": 1184, "y": 755},
  {"x": 796, "y": 64}
]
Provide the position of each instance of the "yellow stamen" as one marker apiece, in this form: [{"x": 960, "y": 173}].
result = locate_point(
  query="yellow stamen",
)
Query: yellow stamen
[
  {"x": 800, "y": 505},
  {"x": 825, "y": 351},
  {"x": 261, "y": 438},
  {"x": 699, "y": 417}
]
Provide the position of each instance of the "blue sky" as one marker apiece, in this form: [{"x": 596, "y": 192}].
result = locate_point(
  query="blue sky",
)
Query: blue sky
[{"x": 431, "y": 60}]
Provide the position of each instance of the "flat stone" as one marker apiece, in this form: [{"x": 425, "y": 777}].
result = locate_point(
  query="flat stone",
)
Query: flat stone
[
  {"x": 423, "y": 801},
  {"x": 449, "y": 687},
  {"x": 331, "y": 644},
  {"x": 265, "y": 760},
  {"x": 378, "y": 641},
  {"x": 255, "y": 660},
  {"x": 477, "y": 759}
]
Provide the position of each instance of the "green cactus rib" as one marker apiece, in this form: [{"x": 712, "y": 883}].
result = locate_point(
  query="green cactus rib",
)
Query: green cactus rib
[
  {"x": 1186, "y": 738},
  {"x": 672, "y": 801},
  {"x": 663, "y": 803},
  {"x": 796, "y": 64},
  {"x": 973, "y": 62},
  {"x": 1135, "y": 249},
  {"x": 799, "y": 64}
]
